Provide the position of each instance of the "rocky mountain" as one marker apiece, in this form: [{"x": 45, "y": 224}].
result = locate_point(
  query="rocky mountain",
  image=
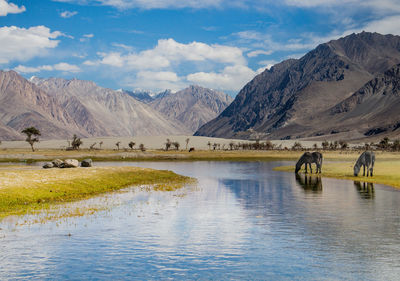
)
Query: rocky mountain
[
  {"x": 23, "y": 104},
  {"x": 193, "y": 106},
  {"x": 293, "y": 98},
  {"x": 105, "y": 112},
  {"x": 143, "y": 96}
]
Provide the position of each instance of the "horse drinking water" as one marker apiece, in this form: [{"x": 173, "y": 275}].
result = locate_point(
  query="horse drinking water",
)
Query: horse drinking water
[
  {"x": 308, "y": 158},
  {"x": 366, "y": 159}
]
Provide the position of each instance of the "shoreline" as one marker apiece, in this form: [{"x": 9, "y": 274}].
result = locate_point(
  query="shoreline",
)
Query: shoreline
[{"x": 28, "y": 190}]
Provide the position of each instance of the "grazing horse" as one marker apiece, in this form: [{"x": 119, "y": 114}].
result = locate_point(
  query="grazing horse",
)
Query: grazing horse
[
  {"x": 366, "y": 159},
  {"x": 308, "y": 158}
]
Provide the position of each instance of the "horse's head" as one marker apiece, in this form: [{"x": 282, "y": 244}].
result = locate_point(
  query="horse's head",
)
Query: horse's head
[{"x": 356, "y": 170}]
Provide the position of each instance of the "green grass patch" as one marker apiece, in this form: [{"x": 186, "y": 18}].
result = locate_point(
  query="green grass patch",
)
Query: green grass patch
[{"x": 22, "y": 191}]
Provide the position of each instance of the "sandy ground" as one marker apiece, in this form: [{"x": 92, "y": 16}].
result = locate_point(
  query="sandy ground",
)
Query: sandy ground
[{"x": 150, "y": 142}]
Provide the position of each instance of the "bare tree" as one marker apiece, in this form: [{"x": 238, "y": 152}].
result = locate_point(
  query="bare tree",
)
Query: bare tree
[
  {"x": 101, "y": 143},
  {"x": 76, "y": 142},
  {"x": 297, "y": 146},
  {"x": 168, "y": 144},
  {"x": 32, "y": 135},
  {"x": 343, "y": 144},
  {"x": 131, "y": 145},
  {"x": 141, "y": 147},
  {"x": 177, "y": 145},
  {"x": 209, "y": 145},
  {"x": 231, "y": 144},
  {"x": 117, "y": 144},
  {"x": 325, "y": 145},
  {"x": 92, "y": 146},
  {"x": 187, "y": 143}
]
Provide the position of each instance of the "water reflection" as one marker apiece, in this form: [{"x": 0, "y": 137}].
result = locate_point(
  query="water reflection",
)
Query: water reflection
[
  {"x": 365, "y": 189},
  {"x": 309, "y": 183},
  {"x": 243, "y": 221}
]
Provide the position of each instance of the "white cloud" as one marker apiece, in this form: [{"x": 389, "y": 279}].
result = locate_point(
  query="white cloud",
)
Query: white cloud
[
  {"x": 150, "y": 4},
  {"x": 62, "y": 66},
  {"x": 387, "y": 25},
  {"x": 158, "y": 80},
  {"x": 86, "y": 37},
  {"x": 256, "y": 53},
  {"x": 168, "y": 52},
  {"x": 21, "y": 44},
  {"x": 10, "y": 8},
  {"x": 231, "y": 78},
  {"x": 68, "y": 14}
]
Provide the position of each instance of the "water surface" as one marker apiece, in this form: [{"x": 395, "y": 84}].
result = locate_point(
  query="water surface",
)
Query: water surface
[{"x": 242, "y": 221}]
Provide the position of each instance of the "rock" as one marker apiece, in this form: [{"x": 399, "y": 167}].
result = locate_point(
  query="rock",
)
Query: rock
[
  {"x": 48, "y": 165},
  {"x": 191, "y": 149},
  {"x": 86, "y": 163},
  {"x": 70, "y": 163},
  {"x": 57, "y": 162}
]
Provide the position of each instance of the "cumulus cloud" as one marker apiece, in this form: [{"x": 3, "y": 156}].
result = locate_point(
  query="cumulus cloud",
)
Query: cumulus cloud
[
  {"x": 21, "y": 44},
  {"x": 168, "y": 52},
  {"x": 158, "y": 80},
  {"x": 10, "y": 8},
  {"x": 62, "y": 66},
  {"x": 68, "y": 14},
  {"x": 231, "y": 78}
]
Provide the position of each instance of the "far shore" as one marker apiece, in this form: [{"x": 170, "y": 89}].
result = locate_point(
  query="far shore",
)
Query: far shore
[{"x": 150, "y": 143}]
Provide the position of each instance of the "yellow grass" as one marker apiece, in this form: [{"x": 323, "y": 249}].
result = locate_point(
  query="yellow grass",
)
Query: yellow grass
[
  {"x": 386, "y": 171},
  {"x": 17, "y": 155},
  {"x": 22, "y": 190}
]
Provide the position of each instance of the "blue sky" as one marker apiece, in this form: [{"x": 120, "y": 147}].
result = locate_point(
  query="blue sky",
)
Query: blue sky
[{"x": 170, "y": 44}]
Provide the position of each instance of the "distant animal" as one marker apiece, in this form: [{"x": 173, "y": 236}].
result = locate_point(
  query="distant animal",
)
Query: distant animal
[
  {"x": 366, "y": 159},
  {"x": 308, "y": 158},
  {"x": 191, "y": 149}
]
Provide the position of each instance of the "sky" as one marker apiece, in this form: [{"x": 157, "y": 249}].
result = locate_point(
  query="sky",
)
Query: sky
[{"x": 170, "y": 44}]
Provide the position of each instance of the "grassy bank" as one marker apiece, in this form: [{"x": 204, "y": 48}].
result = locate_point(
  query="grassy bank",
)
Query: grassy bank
[
  {"x": 386, "y": 171},
  {"x": 24, "y": 190}
]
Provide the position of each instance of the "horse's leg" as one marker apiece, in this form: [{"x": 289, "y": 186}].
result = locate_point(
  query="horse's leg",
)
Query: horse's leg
[
  {"x": 363, "y": 170},
  {"x": 306, "y": 167},
  {"x": 310, "y": 168},
  {"x": 367, "y": 170},
  {"x": 372, "y": 170}
]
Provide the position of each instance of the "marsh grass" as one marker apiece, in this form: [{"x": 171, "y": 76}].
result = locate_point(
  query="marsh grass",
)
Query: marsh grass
[
  {"x": 386, "y": 171},
  {"x": 23, "y": 191}
]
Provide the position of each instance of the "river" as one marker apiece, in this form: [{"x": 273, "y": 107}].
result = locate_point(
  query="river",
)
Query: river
[{"x": 242, "y": 221}]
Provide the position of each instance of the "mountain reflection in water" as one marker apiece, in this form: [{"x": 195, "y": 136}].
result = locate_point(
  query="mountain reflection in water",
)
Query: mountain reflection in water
[{"x": 243, "y": 221}]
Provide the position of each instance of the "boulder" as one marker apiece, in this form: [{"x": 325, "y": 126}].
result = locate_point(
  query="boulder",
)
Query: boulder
[
  {"x": 87, "y": 163},
  {"x": 48, "y": 165},
  {"x": 70, "y": 163},
  {"x": 57, "y": 162}
]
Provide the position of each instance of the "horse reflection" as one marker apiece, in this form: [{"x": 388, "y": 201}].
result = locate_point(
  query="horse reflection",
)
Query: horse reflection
[
  {"x": 365, "y": 189},
  {"x": 310, "y": 183}
]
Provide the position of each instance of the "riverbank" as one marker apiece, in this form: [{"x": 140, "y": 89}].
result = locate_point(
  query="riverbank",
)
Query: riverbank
[
  {"x": 26, "y": 155},
  {"x": 28, "y": 189},
  {"x": 386, "y": 171}
]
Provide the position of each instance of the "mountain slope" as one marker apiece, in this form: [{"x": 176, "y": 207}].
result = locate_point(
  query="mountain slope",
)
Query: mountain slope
[
  {"x": 283, "y": 101},
  {"x": 193, "y": 106},
  {"x": 105, "y": 112},
  {"x": 23, "y": 104}
]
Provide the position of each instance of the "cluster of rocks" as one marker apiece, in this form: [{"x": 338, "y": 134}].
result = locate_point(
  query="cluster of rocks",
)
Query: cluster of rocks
[{"x": 67, "y": 163}]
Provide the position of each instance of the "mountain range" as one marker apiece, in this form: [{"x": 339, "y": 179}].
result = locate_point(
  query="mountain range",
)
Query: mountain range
[
  {"x": 345, "y": 88},
  {"x": 60, "y": 108}
]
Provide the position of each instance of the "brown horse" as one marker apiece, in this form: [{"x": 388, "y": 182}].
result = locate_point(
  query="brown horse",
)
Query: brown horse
[{"x": 308, "y": 158}]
